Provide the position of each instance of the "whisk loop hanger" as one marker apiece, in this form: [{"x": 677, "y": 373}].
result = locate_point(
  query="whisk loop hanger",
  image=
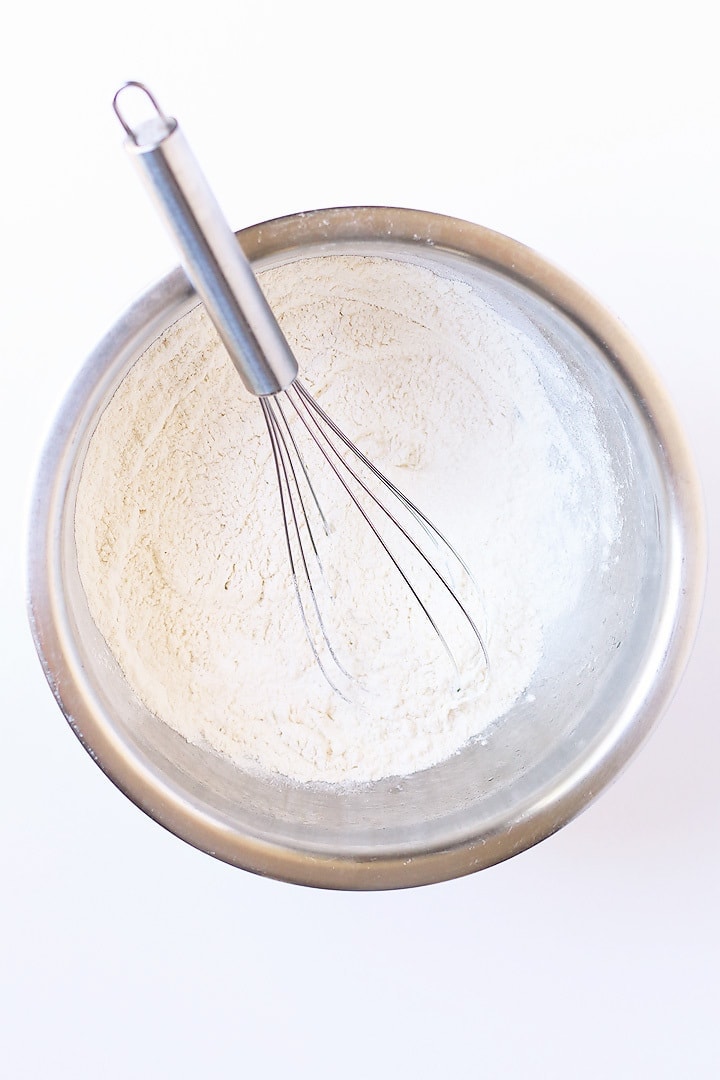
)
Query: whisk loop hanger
[{"x": 224, "y": 280}]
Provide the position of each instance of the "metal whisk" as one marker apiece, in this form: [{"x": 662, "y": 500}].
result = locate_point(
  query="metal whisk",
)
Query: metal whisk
[{"x": 299, "y": 429}]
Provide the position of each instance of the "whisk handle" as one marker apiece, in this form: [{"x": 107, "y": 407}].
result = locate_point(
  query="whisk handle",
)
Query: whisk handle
[{"x": 211, "y": 254}]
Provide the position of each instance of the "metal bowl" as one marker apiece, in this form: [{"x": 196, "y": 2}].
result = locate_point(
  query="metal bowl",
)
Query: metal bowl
[{"x": 609, "y": 669}]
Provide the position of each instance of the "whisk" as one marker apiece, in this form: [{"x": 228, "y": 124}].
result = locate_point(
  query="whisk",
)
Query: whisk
[{"x": 299, "y": 429}]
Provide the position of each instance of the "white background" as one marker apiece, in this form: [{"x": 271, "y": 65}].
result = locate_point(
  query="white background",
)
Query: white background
[{"x": 591, "y": 134}]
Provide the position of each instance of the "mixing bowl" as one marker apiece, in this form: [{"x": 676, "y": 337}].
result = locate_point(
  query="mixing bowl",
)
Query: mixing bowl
[{"x": 610, "y": 663}]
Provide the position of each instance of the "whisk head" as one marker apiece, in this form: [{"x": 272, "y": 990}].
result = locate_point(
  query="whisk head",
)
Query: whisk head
[{"x": 425, "y": 565}]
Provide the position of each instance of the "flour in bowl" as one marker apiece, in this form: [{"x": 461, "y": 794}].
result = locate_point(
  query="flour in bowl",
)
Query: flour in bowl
[{"x": 182, "y": 553}]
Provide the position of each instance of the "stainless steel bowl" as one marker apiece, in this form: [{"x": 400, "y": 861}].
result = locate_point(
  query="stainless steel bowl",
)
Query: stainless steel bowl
[{"x": 609, "y": 669}]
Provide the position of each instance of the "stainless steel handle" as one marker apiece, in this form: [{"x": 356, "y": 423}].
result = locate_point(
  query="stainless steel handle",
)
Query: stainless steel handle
[{"x": 210, "y": 252}]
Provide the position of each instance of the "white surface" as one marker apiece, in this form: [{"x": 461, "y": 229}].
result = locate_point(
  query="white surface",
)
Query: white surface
[{"x": 594, "y": 139}]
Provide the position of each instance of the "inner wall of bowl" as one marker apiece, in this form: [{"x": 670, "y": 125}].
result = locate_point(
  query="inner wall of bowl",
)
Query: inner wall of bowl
[{"x": 596, "y": 652}]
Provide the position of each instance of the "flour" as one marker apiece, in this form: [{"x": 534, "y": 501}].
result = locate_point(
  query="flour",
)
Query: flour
[{"x": 182, "y": 555}]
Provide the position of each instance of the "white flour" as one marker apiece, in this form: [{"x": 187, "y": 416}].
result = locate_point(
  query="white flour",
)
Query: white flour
[{"x": 182, "y": 554}]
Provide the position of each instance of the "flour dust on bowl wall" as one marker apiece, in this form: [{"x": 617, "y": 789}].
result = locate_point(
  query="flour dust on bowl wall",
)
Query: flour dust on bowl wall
[{"x": 498, "y": 397}]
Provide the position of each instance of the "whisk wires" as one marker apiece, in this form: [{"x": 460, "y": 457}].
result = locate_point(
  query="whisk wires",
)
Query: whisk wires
[{"x": 293, "y": 414}]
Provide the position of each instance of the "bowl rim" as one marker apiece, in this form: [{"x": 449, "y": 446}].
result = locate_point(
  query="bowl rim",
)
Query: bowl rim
[{"x": 591, "y": 774}]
